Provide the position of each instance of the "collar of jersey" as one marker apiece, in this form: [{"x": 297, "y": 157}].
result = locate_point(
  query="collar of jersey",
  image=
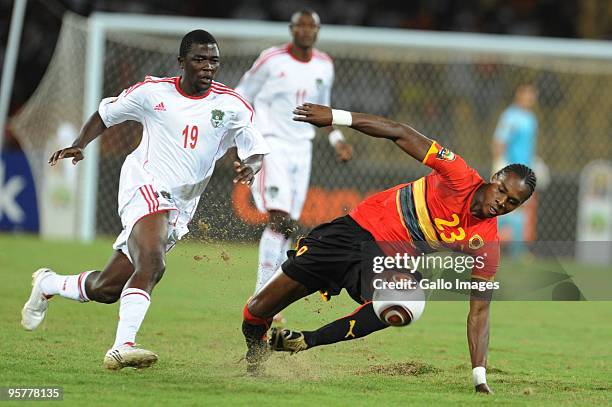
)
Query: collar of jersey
[
  {"x": 177, "y": 82},
  {"x": 290, "y": 46}
]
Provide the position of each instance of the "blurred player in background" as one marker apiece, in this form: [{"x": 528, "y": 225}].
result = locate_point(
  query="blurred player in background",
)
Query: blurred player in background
[
  {"x": 280, "y": 79},
  {"x": 189, "y": 122},
  {"x": 452, "y": 208},
  {"x": 515, "y": 141}
]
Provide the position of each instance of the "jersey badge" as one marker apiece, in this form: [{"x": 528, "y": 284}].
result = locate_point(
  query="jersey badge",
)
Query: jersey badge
[
  {"x": 475, "y": 242},
  {"x": 445, "y": 154},
  {"x": 216, "y": 117}
]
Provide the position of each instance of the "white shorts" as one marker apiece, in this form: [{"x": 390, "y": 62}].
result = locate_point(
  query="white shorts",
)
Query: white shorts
[
  {"x": 146, "y": 201},
  {"x": 282, "y": 183}
]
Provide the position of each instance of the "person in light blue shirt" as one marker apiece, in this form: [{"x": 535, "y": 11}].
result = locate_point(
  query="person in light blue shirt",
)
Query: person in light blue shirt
[{"x": 515, "y": 142}]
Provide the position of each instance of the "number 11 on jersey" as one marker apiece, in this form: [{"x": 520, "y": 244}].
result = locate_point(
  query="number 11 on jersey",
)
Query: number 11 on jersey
[{"x": 190, "y": 137}]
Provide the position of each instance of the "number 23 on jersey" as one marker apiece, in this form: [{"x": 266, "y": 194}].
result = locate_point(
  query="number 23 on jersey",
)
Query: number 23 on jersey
[{"x": 447, "y": 234}]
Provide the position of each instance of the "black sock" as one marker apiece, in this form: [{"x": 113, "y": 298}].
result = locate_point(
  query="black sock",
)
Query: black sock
[
  {"x": 253, "y": 333},
  {"x": 356, "y": 325}
]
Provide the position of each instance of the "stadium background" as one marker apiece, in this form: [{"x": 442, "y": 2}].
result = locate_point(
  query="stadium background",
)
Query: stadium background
[{"x": 542, "y": 353}]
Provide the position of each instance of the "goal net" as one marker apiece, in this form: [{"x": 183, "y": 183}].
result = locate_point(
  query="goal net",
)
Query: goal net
[{"x": 451, "y": 93}]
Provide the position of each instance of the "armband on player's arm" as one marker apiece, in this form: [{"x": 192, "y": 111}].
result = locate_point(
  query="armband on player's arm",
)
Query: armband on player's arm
[
  {"x": 437, "y": 151},
  {"x": 454, "y": 170},
  {"x": 341, "y": 117}
]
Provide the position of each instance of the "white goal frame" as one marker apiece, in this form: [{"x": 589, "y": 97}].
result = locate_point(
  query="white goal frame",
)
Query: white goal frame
[{"x": 99, "y": 24}]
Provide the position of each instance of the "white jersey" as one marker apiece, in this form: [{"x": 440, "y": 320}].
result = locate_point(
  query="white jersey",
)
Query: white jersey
[
  {"x": 182, "y": 138},
  {"x": 278, "y": 82}
]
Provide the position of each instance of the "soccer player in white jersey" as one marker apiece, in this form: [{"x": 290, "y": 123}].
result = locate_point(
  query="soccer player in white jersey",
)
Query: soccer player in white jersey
[
  {"x": 189, "y": 122},
  {"x": 280, "y": 79}
]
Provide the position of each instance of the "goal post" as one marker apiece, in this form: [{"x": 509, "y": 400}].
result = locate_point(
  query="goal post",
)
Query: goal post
[
  {"x": 94, "y": 67},
  {"x": 452, "y": 86}
]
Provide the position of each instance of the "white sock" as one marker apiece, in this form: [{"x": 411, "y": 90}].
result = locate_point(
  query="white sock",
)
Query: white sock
[
  {"x": 271, "y": 254},
  {"x": 132, "y": 310},
  {"x": 71, "y": 287}
]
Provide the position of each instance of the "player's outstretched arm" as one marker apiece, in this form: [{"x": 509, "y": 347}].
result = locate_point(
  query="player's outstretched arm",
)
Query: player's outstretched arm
[
  {"x": 247, "y": 169},
  {"x": 478, "y": 341},
  {"x": 407, "y": 138},
  {"x": 92, "y": 129}
]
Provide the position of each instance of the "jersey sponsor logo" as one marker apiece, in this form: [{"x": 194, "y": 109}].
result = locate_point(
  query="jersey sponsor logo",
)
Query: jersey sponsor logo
[
  {"x": 216, "y": 117},
  {"x": 166, "y": 195},
  {"x": 445, "y": 154},
  {"x": 475, "y": 242},
  {"x": 160, "y": 107}
]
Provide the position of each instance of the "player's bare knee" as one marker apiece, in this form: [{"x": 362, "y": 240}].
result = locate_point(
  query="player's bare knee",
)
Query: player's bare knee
[
  {"x": 152, "y": 264},
  {"x": 158, "y": 272},
  {"x": 104, "y": 293},
  {"x": 109, "y": 296}
]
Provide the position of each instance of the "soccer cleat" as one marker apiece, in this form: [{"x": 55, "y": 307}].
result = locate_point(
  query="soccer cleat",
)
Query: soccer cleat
[
  {"x": 286, "y": 340},
  {"x": 129, "y": 356},
  {"x": 34, "y": 311}
]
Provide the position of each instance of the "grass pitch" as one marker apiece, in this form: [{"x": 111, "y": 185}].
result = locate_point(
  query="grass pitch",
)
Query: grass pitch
[{"x": 540, "y": 353}]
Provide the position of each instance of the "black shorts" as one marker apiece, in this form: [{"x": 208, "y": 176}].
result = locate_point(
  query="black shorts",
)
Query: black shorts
[{"x": 331, "y": 257}]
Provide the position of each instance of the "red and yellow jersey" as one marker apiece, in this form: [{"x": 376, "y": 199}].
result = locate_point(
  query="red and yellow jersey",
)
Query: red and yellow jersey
[{"x": 433, "y": 213}]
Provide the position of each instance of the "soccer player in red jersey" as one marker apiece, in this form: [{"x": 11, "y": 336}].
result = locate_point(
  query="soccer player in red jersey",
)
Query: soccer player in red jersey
[{"x": 452, "y": 208}]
